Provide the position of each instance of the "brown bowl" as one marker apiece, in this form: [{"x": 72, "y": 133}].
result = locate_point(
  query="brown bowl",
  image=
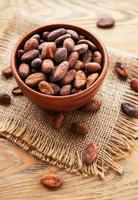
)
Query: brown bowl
[{"x": 60, "y": 103}]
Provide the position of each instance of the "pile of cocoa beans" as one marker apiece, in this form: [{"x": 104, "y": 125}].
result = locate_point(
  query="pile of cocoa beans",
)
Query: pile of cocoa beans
[{"x": 59, "y": 62}]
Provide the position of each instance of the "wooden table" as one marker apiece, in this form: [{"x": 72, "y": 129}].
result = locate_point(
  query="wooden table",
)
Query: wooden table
[{"x": 20, "y": 171}]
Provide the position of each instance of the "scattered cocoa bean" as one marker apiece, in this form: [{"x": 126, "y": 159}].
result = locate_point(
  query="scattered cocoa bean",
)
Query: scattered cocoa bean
[
  {"x": 5, "y": 98},
  {"x": 80, "y": 128},
  {"x": 45, "y": 88},
  {"x": 130, "y": 109},
  {"x": 134, "y": 84},
  {"x": 65, "y": 90},
  {"x": 17, "y": 91},
  {"x": 23, "y": 70},
  {"x": 121, "y": 70},
  {"x": 90, "y": 154},
  {"x": 106, "y": 22},
  {"x": 57, "y": 120},
  {"x": 92, "y": 106},
  {"x": 7, "y": 72},
  {"x": 80, "y": 79},
  {"x": 34, "y": 79},
  {"x": 61, "y": 55},
  {"x": 52, "y": 181}
]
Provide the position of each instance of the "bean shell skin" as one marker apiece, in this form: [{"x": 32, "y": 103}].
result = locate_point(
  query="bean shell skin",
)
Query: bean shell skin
[
  {"x": 48, "y": 50},
  {"x": 52, "y": 36}
]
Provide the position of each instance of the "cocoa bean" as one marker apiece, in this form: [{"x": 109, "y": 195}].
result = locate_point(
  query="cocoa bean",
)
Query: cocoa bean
[
  {"x": 56, "y": 88},
  {"x": 80, "y": 48},
  {"x": 46, "y": 88},
  {"x": 72, "y": 59},
  {"x": 97, "y": 57},
  {"x": 45, "y": 35},
  {"x": 31, "y": 44},
  {"x": 75, "y": 90},
  {"x": 57, "y": 120},
  {"x": 87, "y": 56},
  {"x": 5, "y": 98},
  {"x": 121, "y": 70},
  {"x": 49, "y": 50},
  {"x": 36, "y": 63},
  {"x": 36, "y": 36},
  {"x": 61, "y": 55},
  {"x": 60, "y": 71},
  {"x": 47, "y": 66},
  {"x": 53, "y": 35},
  {"x": 80, "y": 79},
  {"x": 80, "y": 128},
  {"x": 52, "y": 181},
  {"x": 134, "y": 84},
  {"x": 93, "y": 67},
  {"x": 17, "y": 91},
  {"x": 61, "y": 39},
  {"x": 73, "y": 34},
  {"x": 106, "y": 22},
  {"x": 91, "y": 79},
  {"x": 65, "y": 90},
  {"x": 92, "y": 106},
  {"x": 7, "y": 72},
  {"x": 69, "y": 44},
  {"x": 69, "y": 77},
  {"x": 24, "y": 70},
  {"x": 90, "y": 154},
  {"x": 79, "y": 65},
  {"x": 34, "y": 79},
  {"x": 20, "y": 53},
  {"x": 130, "y": 109},
  {"x": 29, "y": 55},
  {"x": 89, "y": 43}
]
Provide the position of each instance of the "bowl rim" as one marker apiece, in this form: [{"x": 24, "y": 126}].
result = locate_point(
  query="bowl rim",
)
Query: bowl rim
[{"x": 61, "y": 25}]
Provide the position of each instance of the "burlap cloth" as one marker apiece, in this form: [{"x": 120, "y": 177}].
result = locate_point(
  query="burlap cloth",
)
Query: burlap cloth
[{"x": 28, "y": 126}]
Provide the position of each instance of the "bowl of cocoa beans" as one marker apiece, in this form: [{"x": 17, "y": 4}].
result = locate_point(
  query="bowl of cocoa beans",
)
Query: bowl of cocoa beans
[{"x": 59, "y": 67}]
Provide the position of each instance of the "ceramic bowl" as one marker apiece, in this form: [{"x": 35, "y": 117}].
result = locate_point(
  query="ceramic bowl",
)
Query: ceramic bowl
[{"x": 60, "y": 103}]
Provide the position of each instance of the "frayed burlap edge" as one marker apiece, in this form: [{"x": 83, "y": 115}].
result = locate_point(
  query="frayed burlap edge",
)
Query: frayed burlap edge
[{"x": 119, "y": 146}]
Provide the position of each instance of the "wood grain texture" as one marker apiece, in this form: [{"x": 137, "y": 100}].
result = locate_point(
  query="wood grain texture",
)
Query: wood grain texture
[{"x": 19, "y": 171}]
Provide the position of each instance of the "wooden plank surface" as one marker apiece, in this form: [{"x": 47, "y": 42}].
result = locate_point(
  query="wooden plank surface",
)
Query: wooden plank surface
[{"x": 19, "y": 171}]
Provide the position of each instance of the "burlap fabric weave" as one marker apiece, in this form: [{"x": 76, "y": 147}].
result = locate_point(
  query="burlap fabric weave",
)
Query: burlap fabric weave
[{"x": 28, "y": 126}]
